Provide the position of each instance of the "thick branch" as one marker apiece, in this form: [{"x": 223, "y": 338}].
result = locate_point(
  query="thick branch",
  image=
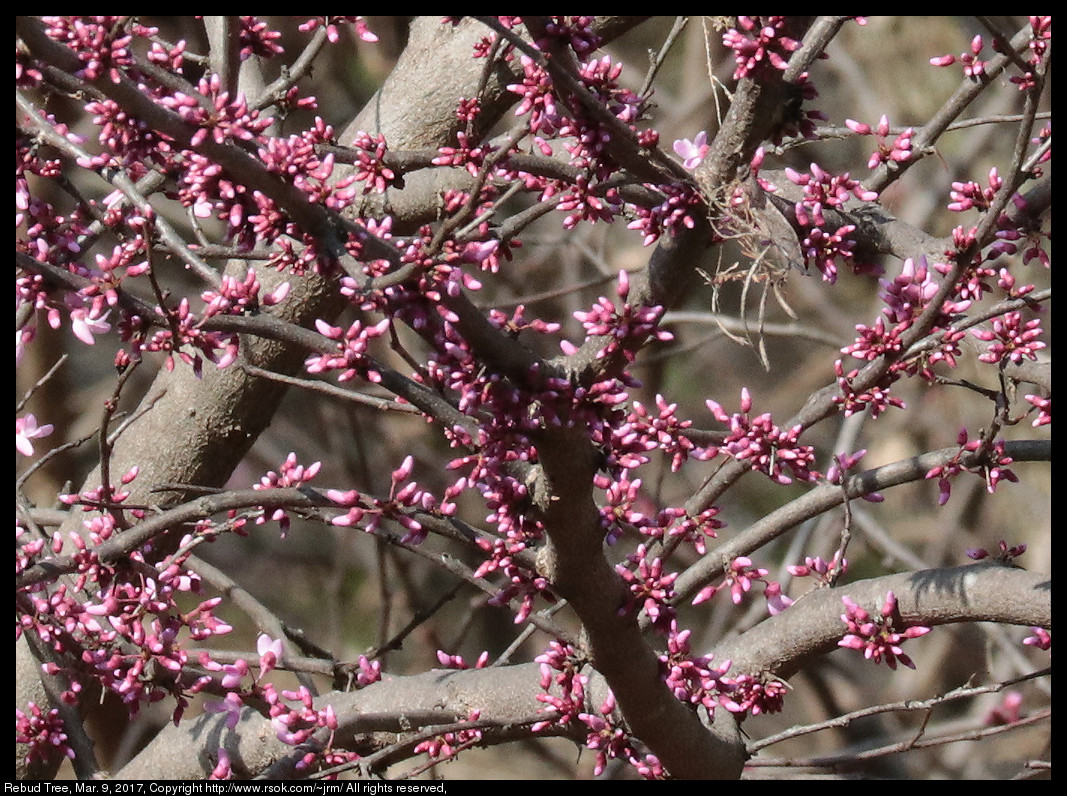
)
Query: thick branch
[{"x": 784, "y": 643}]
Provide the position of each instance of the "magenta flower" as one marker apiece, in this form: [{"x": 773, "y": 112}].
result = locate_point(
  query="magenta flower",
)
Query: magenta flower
[
  {"x": 459, "y": 663},
  {"x": 369, "y": 671},
  {"x": 994, "y": 467}
]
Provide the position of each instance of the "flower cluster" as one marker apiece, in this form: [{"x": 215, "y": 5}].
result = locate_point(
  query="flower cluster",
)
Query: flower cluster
[
  {"x": 333, "y": 31},
  {"x": 1004, "y": 554},
  {"x": 561, "y": 666},
  {"x": 823, "y": 247},
  {"x": 588, "y": 149},
  {"x": 824, "y": 571},
  {"x": 680, "y": 208},
  {"x": 538, "y": 98},
  {"x": 1040, "y": 37},
  {"x": 588, "y": 140},
  {"x": 447, "y": 745},
  {"x": 753, "y": 694},
  {"x": 227, "y": 118},
  {"x": 457, "y": 662},
  {"x": 256, "y": 38},
  {"x": 350, "y": 357},
  {"x": 650, "y": 588},
  {"x": 677, "y": 524},
  {"x": 405, "y": 500},
  {"x": 739, "y": 577},
  {"x": 606, "y": 733},
  {"x": 466, "y": 154},
  {"x": 876, "y": 398},
  {"x": 576, "y": 31},
  {"x": 101, "y": 43},
  {"x": 370, "y": 168},
  {"x": 43, "y": 732},
  {"x": 906, "y": 297},
  {"x": 120, "y": 622},
  {"x": 181, "y": 330},
  {"x": 992, "y": 464},
  {"x": 236, "y": 298},
  {"x": 626, "y": 328},
  {"x": 692, "y": 678},
  {"x": 973, "y": 66},
  {"x": 606, "y": 736},
  {"x": 765, "y": 446},
  {"x": 297, "y": 160},
  {"x": 898, "y": 151},
  {"x": 295, "y": 719},
  {"x": 666, "y": 429},
  {"x": 907, "y": 294},
  {"x": 1011, "y": 338},
  {"x": 874, "y": 635},
  {"x": 968, "y": 195},
  {"x": 1043, "y": 404},
  {"x": 760, "y": 43},
  {"x": 291, "y": 474}
]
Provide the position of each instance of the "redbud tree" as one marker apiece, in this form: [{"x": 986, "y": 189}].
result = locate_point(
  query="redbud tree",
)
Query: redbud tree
[{"x": 393, "y": 391}]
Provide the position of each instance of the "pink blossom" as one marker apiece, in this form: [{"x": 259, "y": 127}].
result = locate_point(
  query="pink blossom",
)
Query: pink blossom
[
  {"x": 1041, "y": 638},
  {"x": 1044, "y": 409},
  {"x": 650, "y": 587},
  {"x": 223, "y": 769},
  {"x": 88, "y": 321},
  {"x": 26, "y": 428},
  {"x": 692, "y": 152},
  {"x": 270, "y": 652},
  {"x": 231, "y": 706}
]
